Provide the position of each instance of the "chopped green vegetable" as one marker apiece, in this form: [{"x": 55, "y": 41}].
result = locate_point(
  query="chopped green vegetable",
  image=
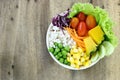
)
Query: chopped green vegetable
[
  {"x": 51, "y": 49},
  {"x": 54, "y": 53},
  {"x": 64, "y": 52},
  {"x": 63, "y": 49},
  {"x": 57, "y": 57},
  {"x": 59, "y": 54},
  {"x": 60, "y": 45},
  {"x": 67, "y": 48},
  {"x": 56, "y": 44},
  {"x": 65, "y": 61},
  {"x": 57, "y": 50},
  {"x": 61, "y": 60},
  {"x": 68, "y": 63},
  {"x": 64, "y": 56}
]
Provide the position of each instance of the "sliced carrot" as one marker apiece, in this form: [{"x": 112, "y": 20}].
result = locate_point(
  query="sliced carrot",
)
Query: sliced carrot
[{"x": 76, "y": 38}]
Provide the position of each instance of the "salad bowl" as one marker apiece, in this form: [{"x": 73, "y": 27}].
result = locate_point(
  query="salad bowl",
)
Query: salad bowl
[{"x": 79, "y": 37}]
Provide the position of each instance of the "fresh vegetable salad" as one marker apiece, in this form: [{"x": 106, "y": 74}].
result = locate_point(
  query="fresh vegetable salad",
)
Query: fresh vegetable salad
[{"x": 82, "y": 35}]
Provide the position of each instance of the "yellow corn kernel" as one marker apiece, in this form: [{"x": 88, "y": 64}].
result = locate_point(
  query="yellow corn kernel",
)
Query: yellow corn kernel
[
  {"x": 73, "y": 47},
  {"x": 79, "y": 49},
  {"x": 82, "y": 59},
  {"x": 77, "y": 66},
  {"x": 79, "y": 63},
  {"x": 82, "y": 54},
  {"x": 68, "y": 58},
  {"x": 72, "y": 52},
  {"x": 87, "y": 63},
  {"x": 69, "y": 55},
  {"x": 76, "y": 56},
  {"x": 76, "y": 61},
  {"x": 87, "y": 58},
  {"x": 73, "y": 64},
  {"x": 71, "y": 59},
  {"x": 75, "y": 50},
  {"x": 79, "y": 53}
]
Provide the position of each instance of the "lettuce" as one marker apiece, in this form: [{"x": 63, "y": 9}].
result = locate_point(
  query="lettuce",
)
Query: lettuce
[{"x": 101, "y": 16}]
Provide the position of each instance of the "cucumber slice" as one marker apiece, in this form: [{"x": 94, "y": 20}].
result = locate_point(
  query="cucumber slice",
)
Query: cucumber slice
[
  {"x": 109, "y": 48},
  {"x": 95, "y": 56},
  {"x": 102, "y": 51}
]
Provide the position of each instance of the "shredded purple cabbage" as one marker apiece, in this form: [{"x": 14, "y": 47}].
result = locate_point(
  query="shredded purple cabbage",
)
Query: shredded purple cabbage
[{"x": 61, "y": 20}]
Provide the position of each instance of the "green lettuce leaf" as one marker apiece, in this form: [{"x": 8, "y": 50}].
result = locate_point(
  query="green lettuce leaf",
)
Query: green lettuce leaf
[{"x": 101, "y": 16}]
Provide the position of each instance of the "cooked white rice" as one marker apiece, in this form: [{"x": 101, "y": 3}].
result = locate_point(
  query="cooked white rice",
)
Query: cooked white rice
[{"x": 56, "y": 35}]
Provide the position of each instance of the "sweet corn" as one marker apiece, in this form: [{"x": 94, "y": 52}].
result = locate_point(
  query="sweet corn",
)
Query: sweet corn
[
  {"x": 82, "y": 59},
  {"x": 75, "y": 50},
  {"x": 79, "y": 49},
  {"x": 76, "y": 61},
  {"x": 71, "y": 59},
  {"x": 68, "y": 59},
  {"x": 82, "y": 54},
  {"x": 77, "y": 66},
  {"x": 79, "y": 63},
  {"x": 69, "y": 55},
  {"x": 72, "y": 52},
  {"x": 87, "y": 63},
  {"x": 87, "y": 58},
  {"x": 73, "y": 64},
  {"x": 76, "y": 56},
  {"x": 74, "y": 47}
]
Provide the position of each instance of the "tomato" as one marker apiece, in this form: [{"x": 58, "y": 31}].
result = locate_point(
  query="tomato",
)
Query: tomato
[
  {"x": 82, "y": 29},
  {"x": 74, "y": 22},
  {"x": 90, "y": 21},
  {"x": 81, "y": 16}
]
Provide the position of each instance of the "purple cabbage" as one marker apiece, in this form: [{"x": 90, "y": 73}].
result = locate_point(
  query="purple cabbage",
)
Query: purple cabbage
[{"x": 61, "y": 20}]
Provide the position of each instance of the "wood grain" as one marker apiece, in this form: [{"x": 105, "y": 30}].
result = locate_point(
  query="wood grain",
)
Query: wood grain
[{"x": 23, "y": 52}]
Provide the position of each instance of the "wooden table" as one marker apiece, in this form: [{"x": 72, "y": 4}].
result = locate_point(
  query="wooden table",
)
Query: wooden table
[{"x": 23, "y": 52}]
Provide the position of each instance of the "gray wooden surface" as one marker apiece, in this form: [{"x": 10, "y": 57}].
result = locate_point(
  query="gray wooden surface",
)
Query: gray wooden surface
[{"x": 23, "y": 52}]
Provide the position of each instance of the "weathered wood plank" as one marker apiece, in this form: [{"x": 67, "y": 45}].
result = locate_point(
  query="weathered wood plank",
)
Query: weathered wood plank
[{"x": 7, "y": 38}]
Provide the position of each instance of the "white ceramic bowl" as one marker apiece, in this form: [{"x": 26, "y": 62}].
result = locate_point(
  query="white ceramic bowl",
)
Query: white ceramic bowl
[{"x": 63, "y": 65}]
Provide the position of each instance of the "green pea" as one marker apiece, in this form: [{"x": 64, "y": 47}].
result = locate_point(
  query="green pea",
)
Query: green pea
[
  {"x": 56, "y": 44},
  {"x": 51, "y": 49},
  {"x": 54, "y": 53},
  {"x": 64, "y": 56},
  {"x": 64, "y": 52},
  {"x": 65, "y": 61},
  {"x": 57, "y": 57},
  {"x": 62, "y": 49},
  {"x": 57, "y": 49},
  {"x": 60, "y": 45},
  {"x": 59, "y": 54},
  {"x": 67, "y": 48},
  {"x": 68, "y": 63},
  {"x": 61, "y": 60}
]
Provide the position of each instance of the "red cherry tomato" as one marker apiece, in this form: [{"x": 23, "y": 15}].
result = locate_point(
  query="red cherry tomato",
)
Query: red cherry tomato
[
  {"x": 90, "y": 21},
  {"x": 82, "y": 29},
  {"x": 74, "y": 22},
  {"x": 81, "y": 16}
]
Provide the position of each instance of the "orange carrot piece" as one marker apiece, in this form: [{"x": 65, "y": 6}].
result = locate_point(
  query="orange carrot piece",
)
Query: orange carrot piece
[{"x": 76, "y": 38}]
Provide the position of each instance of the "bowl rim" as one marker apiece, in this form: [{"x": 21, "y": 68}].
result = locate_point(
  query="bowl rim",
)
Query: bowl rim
[{"x": 63, "y": 65}]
